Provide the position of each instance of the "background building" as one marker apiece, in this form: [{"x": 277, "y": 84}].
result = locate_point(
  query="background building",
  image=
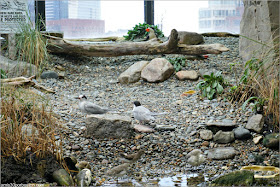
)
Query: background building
[
  {"x": 221, "y": 16},
  {"x": 76, "y": 19}
]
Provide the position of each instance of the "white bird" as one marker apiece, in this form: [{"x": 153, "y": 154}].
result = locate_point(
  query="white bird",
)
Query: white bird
[
  {"x": 89, "y": 107},
  {"x": 195, "y": 158},
  {"x": 143, "y": 114}
]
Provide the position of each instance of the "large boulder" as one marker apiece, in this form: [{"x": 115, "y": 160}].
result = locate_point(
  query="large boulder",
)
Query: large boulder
[
  {"x": 109, "y": 126},
  {"x": 158, "y": 70},
  {"x": 133, "y": 73},
  {"x": 17, "y": 68},
  {"x": 190, "y": 38},
  {"x": 260, "y": 22}
]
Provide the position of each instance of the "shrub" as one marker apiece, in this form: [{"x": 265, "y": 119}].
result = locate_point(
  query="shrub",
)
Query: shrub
[
  {"x": 212, "y": 85},
  {"x": 139, "y": 32}
]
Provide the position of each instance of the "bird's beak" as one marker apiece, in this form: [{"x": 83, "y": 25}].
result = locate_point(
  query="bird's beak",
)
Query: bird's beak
[{"x": 147, "y": 29}]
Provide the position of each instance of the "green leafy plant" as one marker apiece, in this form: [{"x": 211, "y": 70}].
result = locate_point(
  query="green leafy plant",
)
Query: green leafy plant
[
  {"x": 3, "y": 74},
  {"x": 139, "y": 31},
  {"x": 177, "y": 62},
  {"x": 257, "y": 105},
  {"x": 252, "y": 65},
  {"x": 212, "y": 85}
]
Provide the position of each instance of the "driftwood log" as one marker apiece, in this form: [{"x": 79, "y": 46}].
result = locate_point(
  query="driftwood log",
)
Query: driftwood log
[
  {"x": 151, "y": 47},
  {"x": 23, "y": 81}
]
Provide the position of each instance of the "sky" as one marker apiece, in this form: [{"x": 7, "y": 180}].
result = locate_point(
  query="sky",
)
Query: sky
[{"x": 179, "y": 15}]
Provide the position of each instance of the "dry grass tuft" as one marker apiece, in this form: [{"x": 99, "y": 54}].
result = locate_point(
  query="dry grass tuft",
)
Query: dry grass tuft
[
  {"x": 22, "y": 108},
  {"x": 261, "y": 80}
]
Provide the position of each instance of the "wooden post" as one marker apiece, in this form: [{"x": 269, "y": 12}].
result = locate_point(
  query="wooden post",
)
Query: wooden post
[
  {"x": 149, "y": 11},
  {"x": 40, "y": 15},
  {"x": 12, "y": 46}
]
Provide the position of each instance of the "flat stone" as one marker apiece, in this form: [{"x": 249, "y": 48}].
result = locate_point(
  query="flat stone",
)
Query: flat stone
[
  {"x": 109, "y": 126},
  {"x": 224, "y": 125},
  {"x": 187, "y": 75},
  {"x": 221, "y": 153},
  {"x": 165, "y": 127},
  {"x": 143, "y": 128}
]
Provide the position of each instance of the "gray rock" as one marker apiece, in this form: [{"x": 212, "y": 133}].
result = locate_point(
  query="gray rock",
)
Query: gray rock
[
  {"x": 221, "y": 153},
  {"x": 190, "y": 38},
  {"x": 83, "y": 178},
  {"x": 29, "y": 130},
  {"x": 236, "y": 178},
  {"x": 224, "y": 137},
  {"x": 206, "y": 134},
  {"x": 158, "y": 70},
  {"x": 17, "y": 68},
  {"x": 143, "y": 128},
  {"x": 260, "y": 22},
  {"x": 202, "y": 72},
  {"x": 165, "y": 127},
  {"x": 109, "y": 126},
  {"x": 49, "y": 75},
  {"x": 242, "y": 133},
  {"x": 272, "y": 140},
  {"x": 186, "y": 75},
  {"x": 256, "y": 123},
  {"x": 133, "y": 73},
  {"x": 224, "y": 125}
]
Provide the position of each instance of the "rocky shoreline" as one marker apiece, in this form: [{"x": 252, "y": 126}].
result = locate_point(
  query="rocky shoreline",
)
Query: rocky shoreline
[{"x": 165, "y": 149}]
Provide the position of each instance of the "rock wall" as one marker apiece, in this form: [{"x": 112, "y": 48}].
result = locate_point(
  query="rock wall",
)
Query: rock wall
[{"x": 260, "y": 22}]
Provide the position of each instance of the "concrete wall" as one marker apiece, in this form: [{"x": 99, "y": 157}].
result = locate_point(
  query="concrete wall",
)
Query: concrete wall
[{"x": 260, "y": 22}]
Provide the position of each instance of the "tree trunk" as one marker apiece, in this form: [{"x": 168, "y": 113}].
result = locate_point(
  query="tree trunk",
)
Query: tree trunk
[{"x": 151, "y": 47}]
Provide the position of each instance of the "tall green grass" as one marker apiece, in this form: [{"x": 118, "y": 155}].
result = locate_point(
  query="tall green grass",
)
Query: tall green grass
[{"x": 31, "y": 45}]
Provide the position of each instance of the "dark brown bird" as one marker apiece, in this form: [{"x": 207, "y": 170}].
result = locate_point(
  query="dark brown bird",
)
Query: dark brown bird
[{"x": 131, "y": 158}]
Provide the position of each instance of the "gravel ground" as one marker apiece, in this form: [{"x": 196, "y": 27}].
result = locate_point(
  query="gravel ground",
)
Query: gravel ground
[{"x": 96, "y": 77}]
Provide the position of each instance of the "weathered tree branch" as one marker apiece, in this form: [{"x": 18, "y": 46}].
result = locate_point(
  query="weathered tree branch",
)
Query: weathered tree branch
[
  {"x": 23, "y": 81},
  {"x": 151, "y": 47}
]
